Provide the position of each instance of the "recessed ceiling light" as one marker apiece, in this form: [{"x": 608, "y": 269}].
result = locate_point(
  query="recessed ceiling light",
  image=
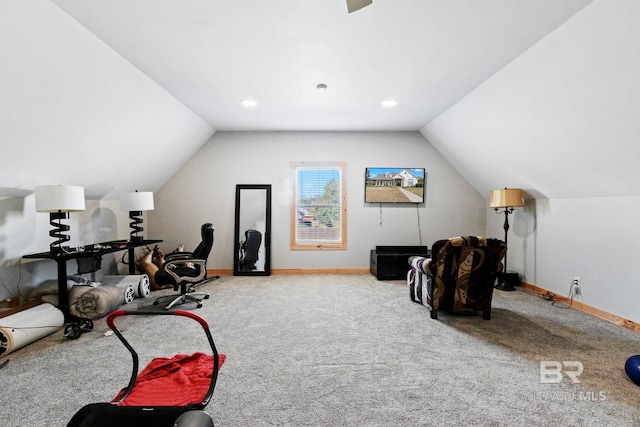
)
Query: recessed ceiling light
[
  {"x": 321, "y": 86},
  {"x": 249, "y": 103},
  {"x": 389, "y": 103}
]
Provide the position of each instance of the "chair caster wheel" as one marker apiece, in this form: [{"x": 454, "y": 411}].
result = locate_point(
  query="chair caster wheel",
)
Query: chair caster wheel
[
  {"x": 199, "y": 306},
  {"x": 85, "y": 325},
  {"x": 155, "y": 303},
  {"x": 72, "y": 331},
  {"x": 206, "y": 296}
]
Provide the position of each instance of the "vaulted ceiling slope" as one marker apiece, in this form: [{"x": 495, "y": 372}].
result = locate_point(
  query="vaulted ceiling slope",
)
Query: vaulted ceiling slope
[
  {"x": 112, "y": 93},
  {"x": 73, "y": 111},
  {"x": 562, "y": 120}
]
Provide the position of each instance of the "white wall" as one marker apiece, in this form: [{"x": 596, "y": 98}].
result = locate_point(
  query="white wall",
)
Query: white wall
[
  {"x": 553, "y": 241},
  {"x": 561, "y": 122},
  {"x": 204, "y": 191}
]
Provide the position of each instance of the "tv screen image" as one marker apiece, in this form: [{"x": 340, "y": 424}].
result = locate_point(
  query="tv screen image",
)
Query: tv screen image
[{"x": 394, "y": 185}]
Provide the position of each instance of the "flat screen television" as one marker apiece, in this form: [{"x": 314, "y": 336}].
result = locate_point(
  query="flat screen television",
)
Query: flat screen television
[{"x": 394, "y": 185}]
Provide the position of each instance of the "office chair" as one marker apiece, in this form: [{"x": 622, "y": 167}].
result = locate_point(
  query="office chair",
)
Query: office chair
[
  {"x": 249, "y": 250},
  {"x": 187, "y": 270}
]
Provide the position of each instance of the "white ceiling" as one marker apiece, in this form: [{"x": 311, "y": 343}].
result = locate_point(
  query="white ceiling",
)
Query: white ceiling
[
  {"x": 561, "y": 121},
  {"x": 426, "y": 54},
  {"x": 117, "y": 95}
]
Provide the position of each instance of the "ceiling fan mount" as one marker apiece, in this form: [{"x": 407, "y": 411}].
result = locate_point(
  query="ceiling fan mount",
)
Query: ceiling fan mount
[{"x": 354, "y": 5}]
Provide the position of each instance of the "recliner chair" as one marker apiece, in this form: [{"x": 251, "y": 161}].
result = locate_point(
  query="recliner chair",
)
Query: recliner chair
[
  {"x": 249, "y": 250},
  {"x": 187, "y": 270},
  {"x": 459, "y": 277}
]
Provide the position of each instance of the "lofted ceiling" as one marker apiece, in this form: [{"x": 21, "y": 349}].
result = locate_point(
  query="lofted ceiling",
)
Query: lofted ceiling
[
  {"x": 425, "y": 54},
  {"x": 108, "y": 93}
]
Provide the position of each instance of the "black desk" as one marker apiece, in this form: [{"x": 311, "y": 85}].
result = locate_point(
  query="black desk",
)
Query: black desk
[{"x": 95, "y": 250}]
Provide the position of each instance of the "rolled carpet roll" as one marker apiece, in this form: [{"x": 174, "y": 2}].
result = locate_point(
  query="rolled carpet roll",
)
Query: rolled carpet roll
[
  {"x": 95, "y": 302},
  {"x": 25, "y": 327},
  {"x": 126, "y": 288},
  {"x": 127, "y": 291},
  {"x": 140, "y": 283}
]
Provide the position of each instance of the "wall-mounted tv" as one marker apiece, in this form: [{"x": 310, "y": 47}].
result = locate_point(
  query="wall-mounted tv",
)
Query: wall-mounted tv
[{"x": 394, "y": 185}]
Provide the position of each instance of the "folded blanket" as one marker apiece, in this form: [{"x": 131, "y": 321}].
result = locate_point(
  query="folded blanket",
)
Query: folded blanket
[
  {"x": 94, "y": 302},
  {"x": 177, "y": 381}
]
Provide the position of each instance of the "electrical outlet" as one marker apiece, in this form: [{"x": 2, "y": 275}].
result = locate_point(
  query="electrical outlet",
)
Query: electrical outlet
[{"x": 576, "y": 284}]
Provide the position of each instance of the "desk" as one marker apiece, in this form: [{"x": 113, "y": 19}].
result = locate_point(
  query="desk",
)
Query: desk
[{"x": 95, "y": 250}]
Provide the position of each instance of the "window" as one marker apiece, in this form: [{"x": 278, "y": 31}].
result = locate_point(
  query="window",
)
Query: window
[{"x": 319, "y": 211}]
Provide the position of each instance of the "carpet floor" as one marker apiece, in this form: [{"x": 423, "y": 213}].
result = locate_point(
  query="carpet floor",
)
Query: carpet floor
[{"x": 347, "y": 350}]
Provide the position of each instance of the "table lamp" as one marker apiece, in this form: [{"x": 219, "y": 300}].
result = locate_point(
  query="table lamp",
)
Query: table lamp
[
  {"x": 508, "y": 199},
  {"x": 58, "y": 201},
  {"x": 135, "y": 203}
]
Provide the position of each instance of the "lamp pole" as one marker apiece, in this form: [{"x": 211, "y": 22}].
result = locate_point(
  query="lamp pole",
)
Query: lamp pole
[
  {"x": 507, "y": 199},
  {"x": 505, "y": 285}
]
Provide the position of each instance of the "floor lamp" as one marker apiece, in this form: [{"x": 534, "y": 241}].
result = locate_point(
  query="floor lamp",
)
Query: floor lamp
[
  {"x": 58, "y": 201},
  {"x": 135, "y": 203},
  {"x": 507, "y": 199}
]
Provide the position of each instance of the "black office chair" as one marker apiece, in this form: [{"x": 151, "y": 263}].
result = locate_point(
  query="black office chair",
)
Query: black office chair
[
  {"x": 249, "y": 250},
  {"x": 187, "y": 270}
]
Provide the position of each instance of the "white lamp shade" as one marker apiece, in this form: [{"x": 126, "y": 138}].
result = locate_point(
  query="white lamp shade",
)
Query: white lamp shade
[
  {"x": 136, "y": 201},
  {"x": 63, "y": 198},
  {"x": 506, "y": 198}
]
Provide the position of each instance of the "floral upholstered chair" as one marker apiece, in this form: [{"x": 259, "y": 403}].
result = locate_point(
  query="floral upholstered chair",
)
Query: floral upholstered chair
[{"x": 459, "y": 277}]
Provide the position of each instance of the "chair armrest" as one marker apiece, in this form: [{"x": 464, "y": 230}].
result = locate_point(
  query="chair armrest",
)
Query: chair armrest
[
  {"x": 421, "y": 264},
  {"x": 182, "y": 260},
  {"x": 176, "y": 255},
  {"x": 199, "y": 270}
]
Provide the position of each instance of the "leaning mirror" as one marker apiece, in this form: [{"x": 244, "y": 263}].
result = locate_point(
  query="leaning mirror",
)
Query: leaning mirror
[{"x": 252, "y": 230}]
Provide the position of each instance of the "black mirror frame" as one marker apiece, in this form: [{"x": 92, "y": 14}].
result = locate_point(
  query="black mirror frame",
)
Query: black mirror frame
[{"x": 267, "y": 232}]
